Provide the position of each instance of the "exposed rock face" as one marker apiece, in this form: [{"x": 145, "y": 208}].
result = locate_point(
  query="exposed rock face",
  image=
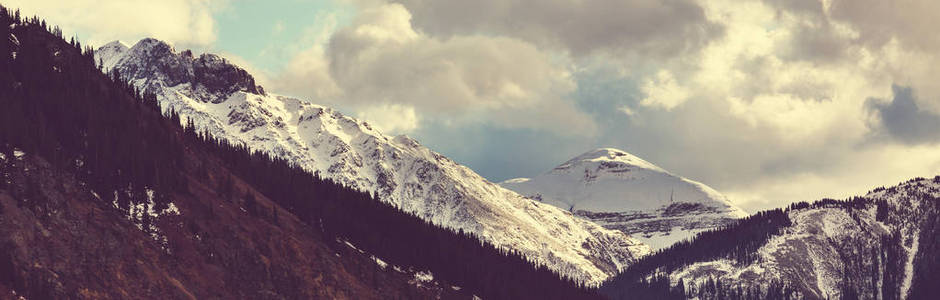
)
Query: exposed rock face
[
  {"x": 220, "y": 78},
  {"x": 623, "y": 192},
  {"x": 397, "y": 169},
  {"x": 209, "y": 76}
]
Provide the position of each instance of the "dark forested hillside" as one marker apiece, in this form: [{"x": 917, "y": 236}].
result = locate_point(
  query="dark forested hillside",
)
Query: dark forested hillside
[
  {"x": 146, "y": 208},
  {"x": 870, "y": 250},
  {"x": 737, "y": 242}
]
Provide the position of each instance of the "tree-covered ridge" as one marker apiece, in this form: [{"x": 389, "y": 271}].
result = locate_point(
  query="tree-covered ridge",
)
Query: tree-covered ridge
[
  {"x": 739, "y": 241},
  {"x": 909, "y": 205},
  {"x": 58, "y": 105}
]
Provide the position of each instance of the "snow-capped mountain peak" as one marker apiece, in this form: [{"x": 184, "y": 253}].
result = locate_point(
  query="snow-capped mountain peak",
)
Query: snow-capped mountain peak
[
  {"x": 624, "y": 192},
  {"x": 223, "y": 99},
  {"x": 110, "y": 52},
  {"x": 154, "y": 65},
  {"x": 609, "y": 160}
]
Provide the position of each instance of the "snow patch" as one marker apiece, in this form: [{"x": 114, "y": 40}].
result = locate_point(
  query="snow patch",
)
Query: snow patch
[
  {"x": 909, "y": 265},
  {"x": 350, "y": 245},
  {"x": 663, "y": 239},
  {"x": 424, "y": 276},
  {"x": 171, "y": 210},
  {"x": 382, "y": 264},
  {"x": 144, "y": 215}
]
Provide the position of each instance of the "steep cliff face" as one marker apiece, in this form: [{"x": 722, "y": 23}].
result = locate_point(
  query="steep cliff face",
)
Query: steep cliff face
[
  {"x": 879, "y": 246},
  {"x": 397, "y": 169},
  {"x": 623, "y": 192}
]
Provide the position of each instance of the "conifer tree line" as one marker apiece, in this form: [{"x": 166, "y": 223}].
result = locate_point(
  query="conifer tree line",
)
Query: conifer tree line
[
  {"x": 56, "y": 103},
  {"x": 53, "y": 105}
]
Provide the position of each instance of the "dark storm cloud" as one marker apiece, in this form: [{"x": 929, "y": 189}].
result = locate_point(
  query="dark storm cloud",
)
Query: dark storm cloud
[
  {"x": 903, "y": 120},
  {"x": 657, "y": 28}
]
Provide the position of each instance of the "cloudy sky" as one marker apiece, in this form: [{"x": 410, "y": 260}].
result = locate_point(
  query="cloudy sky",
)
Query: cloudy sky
[{"x": 768, "y": 101}]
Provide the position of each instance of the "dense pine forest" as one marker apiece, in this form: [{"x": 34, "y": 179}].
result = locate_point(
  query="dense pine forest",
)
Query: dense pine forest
[{"x": 58, "y": 105}]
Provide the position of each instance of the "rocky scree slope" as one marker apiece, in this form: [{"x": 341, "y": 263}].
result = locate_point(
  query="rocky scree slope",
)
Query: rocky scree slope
[{"x": 397, "y": 169}]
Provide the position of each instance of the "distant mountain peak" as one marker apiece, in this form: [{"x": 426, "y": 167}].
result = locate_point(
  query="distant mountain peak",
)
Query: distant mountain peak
[
  {"x": 109, "y": 54},
  {"x": 607, "y": 159},
  {"x": 152, "y": 43},
  {"x": 624, "y": 192},
  {"x": 610, "y": 154},
  {"x": 115, "y": 44}
]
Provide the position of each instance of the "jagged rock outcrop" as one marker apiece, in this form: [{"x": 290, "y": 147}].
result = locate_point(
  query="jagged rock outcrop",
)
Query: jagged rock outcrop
[{"x": 208, "y": 76}]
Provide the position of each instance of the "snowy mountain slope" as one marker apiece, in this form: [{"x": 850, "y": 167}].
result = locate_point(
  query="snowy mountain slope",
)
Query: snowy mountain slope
[
  {"x": 223, "y": 99},
  {"x": 879, "y": 246},
  {"x": 624, "y": 192},
  {"x": 827, "y": 246}
]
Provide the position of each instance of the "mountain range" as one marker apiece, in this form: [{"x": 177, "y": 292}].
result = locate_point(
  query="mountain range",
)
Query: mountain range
[
  {"x": 103, "y": 195},
  {"x": 146, "y": 172},
  {"x": 223, "y": 100}
]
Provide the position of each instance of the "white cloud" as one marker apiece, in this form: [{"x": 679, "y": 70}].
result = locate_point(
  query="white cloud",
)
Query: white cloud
[
  {"x": 771, "y": 124},
  {"x": 627, "y": 111},
  {"x": 753, "y": 116},
  {"x": 381, "y": 59},
  {"x": 582, "y": 28},
  {"x": 663, "y": 91},
  {"x": 854, "y": 175},
  {"x": 390, "y": 118},
  {"x": 308, "y": 75},
  {"x": 765, "y": 103},
  {"x": 187, "y": 23}
]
